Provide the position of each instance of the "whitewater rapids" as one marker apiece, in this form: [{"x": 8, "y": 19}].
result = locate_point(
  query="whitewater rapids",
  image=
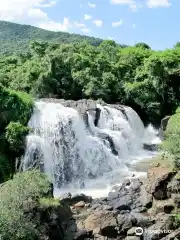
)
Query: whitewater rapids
[{"x": 76, "y": 154}]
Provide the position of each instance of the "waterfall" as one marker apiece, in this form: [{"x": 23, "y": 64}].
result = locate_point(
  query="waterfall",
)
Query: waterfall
[{"x": 70, "y": 150}]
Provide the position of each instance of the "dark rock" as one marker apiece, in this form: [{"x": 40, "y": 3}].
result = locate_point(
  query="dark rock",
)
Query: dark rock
[
  {"x": 106, "y": 221},
  {"x": 123, "y": 203},
  {"x": 145, "y": 198},
  {"x": 125, "y": 222},
  {"x": 141, "y": 220},
  {"x": 156, "y": 231},
  {"x": 159, "y": 187},
  {"x": 150, "y": 147},
  {"x": 80, "y": 197},
  {"x": 81, "y": 235},
  {"x": 164, "y": 123}
]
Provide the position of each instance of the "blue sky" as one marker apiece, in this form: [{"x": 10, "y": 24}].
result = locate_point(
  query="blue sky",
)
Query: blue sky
[{"x": 156, "y": 22}]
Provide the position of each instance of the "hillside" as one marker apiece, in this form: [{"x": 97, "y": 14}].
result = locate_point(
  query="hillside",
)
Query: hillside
[{"x": 15, "y": 37}]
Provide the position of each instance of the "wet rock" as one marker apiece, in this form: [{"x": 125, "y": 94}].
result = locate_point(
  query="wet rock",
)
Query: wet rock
[
  {"x": 164, "y": 123},
  {"x": 127, "y": 197},
  {"x": 80, "y": 204},
  {"x": 150, "y": 147}
]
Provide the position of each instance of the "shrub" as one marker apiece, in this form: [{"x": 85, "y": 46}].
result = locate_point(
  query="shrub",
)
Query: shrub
[
  {"x": 15, "y": 136},
  {"x": 171, "y": 144},
  {"x": 18, "y": 203}
]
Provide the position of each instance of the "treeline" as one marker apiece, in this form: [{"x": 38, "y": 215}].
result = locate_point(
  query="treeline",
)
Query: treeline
[{"x": 147, "y": 80}]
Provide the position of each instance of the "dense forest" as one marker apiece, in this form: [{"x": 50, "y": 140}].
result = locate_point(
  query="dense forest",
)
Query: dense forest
[{"x": 146, "y": 80}]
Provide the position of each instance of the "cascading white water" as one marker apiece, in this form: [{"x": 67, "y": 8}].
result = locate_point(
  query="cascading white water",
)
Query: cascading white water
[{"x": 69, "y": 151}]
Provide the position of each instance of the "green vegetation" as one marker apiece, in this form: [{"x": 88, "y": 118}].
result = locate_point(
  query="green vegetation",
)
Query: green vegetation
[
  {"x": 15, "y": 37},
  {"x": 146, "y": 80},
  {"x": 19, "y": 204},
  {"x": 171, "y": 144},
  {"x": 15, "y": 109}
]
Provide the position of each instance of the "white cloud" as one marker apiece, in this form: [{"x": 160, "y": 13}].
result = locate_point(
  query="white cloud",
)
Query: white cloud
[
  {"x": 98, "y": 23},
  {"x": 17, "y": 10},
  {"x": 87, "y": 17},
  {"x": 130, "y": 3},
  {"x": 117, "y": 24},
  {"x": 56, "y": 26},
  {"x": 37, "y": 13},
  {"x": 91, "y": 5},
  {"x": 158, "y": 3},
  {"x": 46, "y": 5}
]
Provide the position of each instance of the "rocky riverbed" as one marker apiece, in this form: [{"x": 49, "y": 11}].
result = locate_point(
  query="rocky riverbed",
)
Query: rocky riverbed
[{"x": 132, "y": 211}]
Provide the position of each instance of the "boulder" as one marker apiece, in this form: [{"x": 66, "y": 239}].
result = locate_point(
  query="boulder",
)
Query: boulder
[
  {"x": 74, "y": 199},
  {"x": 127, "y": 196},
  {"x": 145, "y": 198},
  {"x": 125, "y": 222},
  {"x": 164, "y": 123},
  {"x": 80, "y": 204},
  {"x": 81, "y": 235},
  {"x": 156, "y": 231},
  {"x": 106, "y": 221},
  {"x": 158, "y": 179},
  {"x": 150, "y": 147},
  {"x": 141, "y": 220}
]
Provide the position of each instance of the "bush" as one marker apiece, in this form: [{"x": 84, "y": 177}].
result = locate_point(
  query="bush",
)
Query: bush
[
  {"x": 15, "y": 136},
  {"x": 171, "y": 144},
  {"x": 15, "y": 111},
  {"x": 19, "y": 199}
]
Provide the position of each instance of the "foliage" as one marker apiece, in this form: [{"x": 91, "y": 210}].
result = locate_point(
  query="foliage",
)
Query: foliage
[
  {"x": 16, "y": 109},
  {"x": 18, "y": 198},
  {"x": 147, "y": 80},
  {"x": 15, "y": 135},
  {"x": 171, "y": 144}
]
